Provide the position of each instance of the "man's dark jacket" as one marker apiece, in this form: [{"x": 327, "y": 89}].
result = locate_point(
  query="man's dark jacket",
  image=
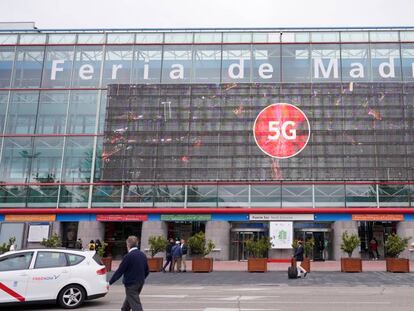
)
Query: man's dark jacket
[
  {"x": 299, "y": 253},
  {"x": 134, "y": 268}
]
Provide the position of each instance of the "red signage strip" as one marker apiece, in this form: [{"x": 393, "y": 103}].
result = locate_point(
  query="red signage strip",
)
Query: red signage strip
[
  {"x": 121, "y": 217},
  {"x": 11, "y": 292}
]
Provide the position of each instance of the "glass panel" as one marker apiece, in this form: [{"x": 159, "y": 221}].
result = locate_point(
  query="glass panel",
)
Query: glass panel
[
  {"x": 87, "y": 67},
  {"x": 385, "y": 62},
  {"x": 354, "y": 36},
  {"x": 329, "y": 196},
  {"x": 236, "y": 64},
  {"x": 52, "y": 112},
  {"x": 102, "y": 113},
  {"x": 237, "y": 37},
  {"x": 207, "y": 37},
  {"x": 355, "y": 62},
  {"x": 32, "y": 39},
  {"x": 407, "y": 50},
  {"x": 266, "y": 37},
  {"x": 383, "y": 36},
  {"x": 8, "y": 39},
  {"x": 178, "y": 38},
  {"x": 16, "y": 158},
  {"x": 296, "y": 196},
  {"x": 330, "y": 36},
  {"x": 200, "y": 195},
  {"x": 138, "y": 194},
  {"x": 361, "y": 195},
  {"x": 326, "y": 62},
  {"x": 28, "y": 67},
  {"x": 404, "y": 36},
  {"x": 62, "y": 39},
  {"x": 15, "y": 262},
  {"x": 266, "y": 63},
  {"x": 77, "y": 161},
  {"x": 6, "y": 66},
  {"x": 91, "y": 38},
  {"x": 98, "y": 159},
  {"x": 46, "y": 159},
  {"x": 13, "y": 196},
  {"x": 147, "y": 64},
  {"x": 58, "y": 66},
  {"x": 109, "y": 196},
  {"x": 296, "y": 65},
  {"x": 177, "y": 63},
  {"x": 233, "y": 195},
  {"x": 74, "y": 196},
  {"x": 4, "y": 97},
  {"x": 394, "y": 195},
  {"x": 118, "y": 64},
  {"x": 295, "y": 37},
  {"x": 21, "y": 117},
  {"x": 74, "y": 259},
  {"x": 120, "y": 38},
  {"x": 266, "y": 195},
  {"x": 206, "y": 63},
  {"x": 43, "y": 195},
  {"x": 149, "y": 38},
  {"x": 82, "y": 112},
  {"x": 167, "y": 195}
]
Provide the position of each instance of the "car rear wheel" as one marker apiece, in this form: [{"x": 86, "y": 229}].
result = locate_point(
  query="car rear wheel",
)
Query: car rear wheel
[{"x": 71, "y": 297}]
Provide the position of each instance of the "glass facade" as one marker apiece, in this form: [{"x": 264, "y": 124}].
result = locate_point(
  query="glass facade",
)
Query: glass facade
[{"x": 192, "y": 97}]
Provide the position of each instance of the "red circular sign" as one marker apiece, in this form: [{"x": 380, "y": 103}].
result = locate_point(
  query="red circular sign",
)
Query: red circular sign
[{"x": 281, "y": 130}]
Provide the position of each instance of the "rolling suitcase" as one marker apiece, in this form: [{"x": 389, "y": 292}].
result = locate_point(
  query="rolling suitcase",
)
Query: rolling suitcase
[{"x": 293, "y": 270}]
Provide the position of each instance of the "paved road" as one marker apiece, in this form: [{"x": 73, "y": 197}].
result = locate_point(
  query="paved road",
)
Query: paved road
[{"x": 240, "y": 291}]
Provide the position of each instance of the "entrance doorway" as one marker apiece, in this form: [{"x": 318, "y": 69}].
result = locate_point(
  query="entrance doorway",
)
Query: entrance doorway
[
  {"x": 239, "y": 236},
  {"x": 115, "y": 235},
  {"x": 69, "y": 234},
  {"x": 322, "y": 250},
  {"x": 379, "y": 230}
]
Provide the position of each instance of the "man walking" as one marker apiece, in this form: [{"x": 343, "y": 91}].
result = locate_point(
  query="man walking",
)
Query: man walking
[
  {"x": 184, "y": 250},
  {"x": 134, "y": 268},
  {"x": 299, "y": 258},
  {"x": 177, "y": 253}
]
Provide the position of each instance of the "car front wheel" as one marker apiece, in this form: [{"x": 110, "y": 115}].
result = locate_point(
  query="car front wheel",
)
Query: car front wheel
[{"x": 71, "y": 297}]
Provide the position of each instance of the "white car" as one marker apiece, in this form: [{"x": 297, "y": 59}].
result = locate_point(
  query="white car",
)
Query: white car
[{"x": 68, "y": 277}]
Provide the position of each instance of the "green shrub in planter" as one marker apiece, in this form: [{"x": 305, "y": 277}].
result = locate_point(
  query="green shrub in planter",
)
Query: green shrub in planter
[
  {"x": 5, "y": 247},
  {"x": 52, "y": 242},
  {"x": 199, "y": 246},
  {"x": 157, "y": 244},
  {"x": 395, "y": 245},
  {"x": 308, "y": 247},
  {"x": 101, "y": 249},
  {"x": 258, "y": 248},
  {"x": 349, "y": 243}
]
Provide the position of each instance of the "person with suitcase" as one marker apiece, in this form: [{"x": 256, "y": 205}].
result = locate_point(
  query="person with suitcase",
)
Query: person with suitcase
[{"x": 298, "y": 256}]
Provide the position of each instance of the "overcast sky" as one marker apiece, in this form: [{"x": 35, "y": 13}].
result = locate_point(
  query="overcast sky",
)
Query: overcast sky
[{"x": 207, "y": 13}]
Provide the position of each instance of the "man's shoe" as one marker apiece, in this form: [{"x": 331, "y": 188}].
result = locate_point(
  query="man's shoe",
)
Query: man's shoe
[
  {"x": 184, "y": 270},
  {"x": 305, "y": 274}
]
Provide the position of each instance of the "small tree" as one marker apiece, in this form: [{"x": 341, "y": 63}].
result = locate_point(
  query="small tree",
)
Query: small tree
[
  {"x": 395, "y": 245},
  {"x": 258, "y": 248},
  {"x": 157, "y": 244},
  {"x": 52, "y": 242},
  {"x": 199, "y": 246},
  {"x": 5, "y": 247},
  {"x": 349, "y": 243},
  {"x": 308, "y": 247},
  {"x": 101, "y": 249}
]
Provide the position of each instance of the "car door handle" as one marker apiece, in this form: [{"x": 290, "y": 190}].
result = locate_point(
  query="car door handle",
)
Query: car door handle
[
  {"x": 65, "y": 271},
  {"x": 23, "y": 274}
]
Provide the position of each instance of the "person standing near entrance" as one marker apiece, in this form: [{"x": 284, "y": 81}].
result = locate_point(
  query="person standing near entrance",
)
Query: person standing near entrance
[
  {"x": 177, "y": 254},
  {"x": 373, "y": 247},
  {"x": 184, "y": 250},
  {"x": 134, "y": 268},
  {"x": 299, "y": 258}
]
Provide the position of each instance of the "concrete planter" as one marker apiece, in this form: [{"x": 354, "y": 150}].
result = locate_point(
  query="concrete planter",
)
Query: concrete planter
[
  {"x": 257, "y": 264},
  {"x": 155, "y": 264},
  {"x": 351, "y": 265},
  {"x": 202, "y": 265},
  {"x": 397, "y": 265}
]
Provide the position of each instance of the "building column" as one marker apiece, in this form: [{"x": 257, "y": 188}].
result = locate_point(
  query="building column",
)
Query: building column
[
  {"x": 152, "y": 228},
  {"x": 406, "y": 229},
  {"x": 91, "y": 230},
  {"x": 219, "y": 233},
  {"x": 340, "y": 227}
]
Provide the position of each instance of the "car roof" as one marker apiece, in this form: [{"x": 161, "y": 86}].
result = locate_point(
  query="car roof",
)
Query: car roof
[{"x": 64, "y": 250}]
